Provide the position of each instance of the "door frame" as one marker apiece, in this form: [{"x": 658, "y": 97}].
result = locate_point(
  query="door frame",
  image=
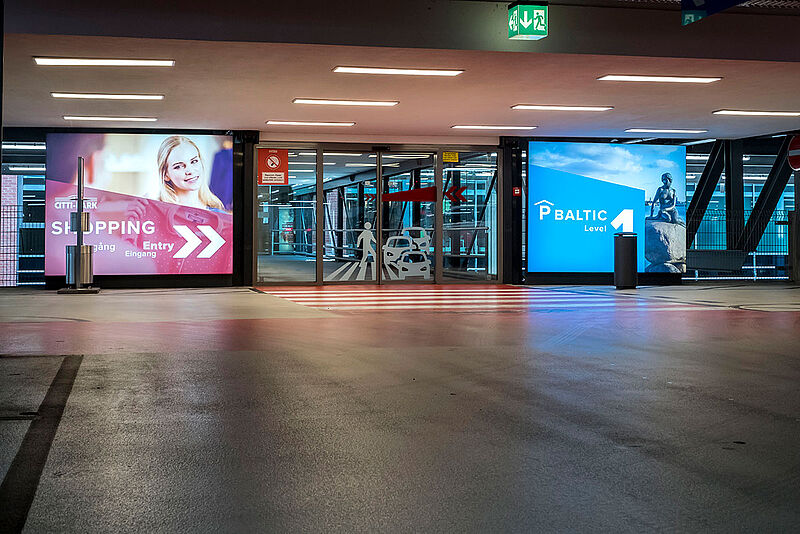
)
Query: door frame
[{"x": 437, "y": 150}]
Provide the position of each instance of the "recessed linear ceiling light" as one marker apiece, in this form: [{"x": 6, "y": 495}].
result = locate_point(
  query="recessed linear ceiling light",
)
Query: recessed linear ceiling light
[
  {"x": 699, "y": 142},
  {"x": 106, "y": 96},
  {"x": 370, "y": 165},
  {"x": 704, "y": 157},
  {"x": 27, "y": 169},
  {"x": 24, "y": 146},
  {"x": 744, "y": 113},
  {"x": 537, "y": 107},
  {"x": 308, "y": 162},
  {"x": 659, "y": 79},
  {"x": 97, "y": 62},
  {"x": 323, "y": 102},
  {"x": 664, "y": 131},
  {"x": 403, "y": 72},
  {"x": 489, "y": 127},
  {"x": 116, "y": 119},
  {"x": 308, "y": 123}
]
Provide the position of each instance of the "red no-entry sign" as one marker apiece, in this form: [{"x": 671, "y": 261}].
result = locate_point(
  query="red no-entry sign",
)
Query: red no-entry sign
[{"x": 794, "y": 153}]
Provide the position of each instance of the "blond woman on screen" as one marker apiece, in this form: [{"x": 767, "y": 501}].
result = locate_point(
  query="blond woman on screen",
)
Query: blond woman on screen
[{"x": 181, "y": 171}]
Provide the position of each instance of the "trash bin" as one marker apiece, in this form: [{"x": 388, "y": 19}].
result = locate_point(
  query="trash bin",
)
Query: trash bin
[
  {"x": 86, "y": 274},
  {"x": 625, "y": 275}
]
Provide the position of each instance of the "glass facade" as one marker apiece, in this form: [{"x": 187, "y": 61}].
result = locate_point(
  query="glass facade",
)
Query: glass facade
[
  {"x": 770, "y": 259},
  {"x": 286, "y": 224},
  {"x": 379, "y": 218},
  {"x": 470, "y": 217}
]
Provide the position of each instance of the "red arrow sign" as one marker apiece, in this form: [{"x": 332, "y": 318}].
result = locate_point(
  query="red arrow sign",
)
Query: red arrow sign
[
  {"x": 370, "y": 196},
  {"x": 421, "y": 194},
  {"x": 454, "y": 193}
]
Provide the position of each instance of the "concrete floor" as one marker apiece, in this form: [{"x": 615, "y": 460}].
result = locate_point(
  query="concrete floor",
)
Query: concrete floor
[{"x": 576, "y": 409}]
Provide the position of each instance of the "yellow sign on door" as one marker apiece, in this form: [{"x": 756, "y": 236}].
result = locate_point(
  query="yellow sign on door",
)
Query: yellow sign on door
[{"x": 450, "y": 157}]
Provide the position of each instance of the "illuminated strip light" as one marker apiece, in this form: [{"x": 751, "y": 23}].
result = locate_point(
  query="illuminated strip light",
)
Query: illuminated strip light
[
  {"x": 27, "y": 169},
  {"x": 700, "y": 142},
  {"x": 107, "y": 96},
  {"x": 324, "y": 102},
  {"x": 744, "y": 113},
  {"x": 308, "y": 163},
  {"x": 20, "y": 146},
  {"x": 352, "y": 154},
  {"x": 308, "y": 123},
  {"x": 465, "y": 169},
  {"x": 657, "y": 79},
  {"x": 490, "y": 127},
  {"x": 402, "y": 72},
  {"x": 664, "y": 131},
  {"x": 370, "y": 165},
  {"x": 537, "y": 107},
  {"x": 120, "y": 119},
  {"x": 97, "y": 62}
]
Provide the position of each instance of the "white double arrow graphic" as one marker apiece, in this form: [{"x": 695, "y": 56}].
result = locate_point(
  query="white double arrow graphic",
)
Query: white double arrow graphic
[
  {"x": 192, "y": 241},
  {"x": 525, "y": 21}
]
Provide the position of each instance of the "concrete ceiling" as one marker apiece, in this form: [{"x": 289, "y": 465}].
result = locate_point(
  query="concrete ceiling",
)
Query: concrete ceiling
[{"x": 223, "y": 85}]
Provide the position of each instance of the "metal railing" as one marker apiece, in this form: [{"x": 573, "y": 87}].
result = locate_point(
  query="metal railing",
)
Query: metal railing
[
  {"x": 21, "y": 246},
  {"x": 769, "y": 261}
]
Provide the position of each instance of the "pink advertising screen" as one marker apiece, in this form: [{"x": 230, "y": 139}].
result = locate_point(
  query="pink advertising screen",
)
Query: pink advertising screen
[{"x": 158, "y": 204}]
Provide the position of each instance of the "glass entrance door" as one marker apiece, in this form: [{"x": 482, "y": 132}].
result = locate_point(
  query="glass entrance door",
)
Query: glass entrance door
[
  {"x": 350, "y": 217},
  {"x": 408, "y": 207}
]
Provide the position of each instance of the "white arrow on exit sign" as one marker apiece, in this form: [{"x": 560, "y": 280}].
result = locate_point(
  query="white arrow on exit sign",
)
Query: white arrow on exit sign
[{"x": 525, "y": 20}]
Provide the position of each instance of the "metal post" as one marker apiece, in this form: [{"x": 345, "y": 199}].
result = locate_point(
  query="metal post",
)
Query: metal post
[
  {"x": 438, "y": 232},
  {"x": 79, "y": 255},
  {"x": 320, "y": 216},
  {"x": 77, "y": 262},
  {"x": 379, "y": 217}
]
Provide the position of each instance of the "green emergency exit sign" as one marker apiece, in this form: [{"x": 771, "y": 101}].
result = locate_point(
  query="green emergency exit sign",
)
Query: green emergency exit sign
[{"x": 527, "y": 21}]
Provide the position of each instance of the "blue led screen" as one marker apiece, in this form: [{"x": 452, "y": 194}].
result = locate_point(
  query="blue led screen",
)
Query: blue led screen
[{"x": 581, "y": 194}]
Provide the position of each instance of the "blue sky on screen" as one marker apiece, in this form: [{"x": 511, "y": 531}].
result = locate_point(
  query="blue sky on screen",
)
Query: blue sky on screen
[{"x": 639, "y": 166}]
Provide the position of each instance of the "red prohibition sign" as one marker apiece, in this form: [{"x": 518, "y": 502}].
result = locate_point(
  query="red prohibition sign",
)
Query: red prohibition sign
[{"x": 273, "y": 161}]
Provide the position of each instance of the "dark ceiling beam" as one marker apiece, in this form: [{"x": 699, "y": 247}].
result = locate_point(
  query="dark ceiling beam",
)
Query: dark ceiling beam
[{"x": 437, "y": 24}]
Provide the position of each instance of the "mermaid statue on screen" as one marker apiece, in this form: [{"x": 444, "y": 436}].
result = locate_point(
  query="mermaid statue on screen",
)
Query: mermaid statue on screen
[
  {"x": 181, "y": 172},
  {"x": 667, "y": 200}
]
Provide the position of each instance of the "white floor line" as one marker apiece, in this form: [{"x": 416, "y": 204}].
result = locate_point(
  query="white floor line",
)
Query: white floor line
[
  {"x": 452, "y": 300},
  {"x": 519, "y": 307}
]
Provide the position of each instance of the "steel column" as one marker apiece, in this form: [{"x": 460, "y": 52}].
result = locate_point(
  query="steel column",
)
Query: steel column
[
  {"x": 734, "y": 193},
  {"x": 511, "y": 211}
]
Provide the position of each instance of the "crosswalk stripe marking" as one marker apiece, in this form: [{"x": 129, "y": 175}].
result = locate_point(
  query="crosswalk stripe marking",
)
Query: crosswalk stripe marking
[{"x": 474, "y": 299}]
